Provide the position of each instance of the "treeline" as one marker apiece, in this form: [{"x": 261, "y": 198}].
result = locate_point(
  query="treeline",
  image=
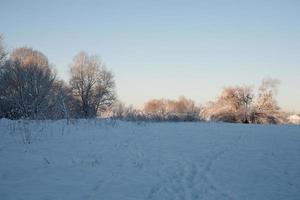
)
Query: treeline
[
  {"x": 30, "y": 89},
  {"x": 237, "y": 104},
  {"x": 182, "y": 109}
]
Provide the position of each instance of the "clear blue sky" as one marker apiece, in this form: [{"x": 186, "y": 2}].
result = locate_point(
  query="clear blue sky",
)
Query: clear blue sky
[{"x": 167, "y": 48}]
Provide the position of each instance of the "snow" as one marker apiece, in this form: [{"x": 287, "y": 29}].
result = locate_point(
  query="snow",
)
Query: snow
[
  {"x": 114, "y": 160},
  {"x": 294, "y": 119}
]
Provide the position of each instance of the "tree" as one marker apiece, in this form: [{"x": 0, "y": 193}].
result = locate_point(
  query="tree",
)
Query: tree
[
  {"x": 62, "y": 103},
  {"x": 236, "y": 104},
  {"x": 3, "y": 103},
  {"x": 233, "y": 105},
  {"x": 266, "y": 109},
  {"x": 121, "y": 111},
  {"x": 155, "y": 107},
  {"x": 26, "y": 80},
  {"x": 92, "y": 84},
  {"x": 182, "y": 109},
  {"x": 3, "y": 52},
  {"x": 244, "y": 97}
]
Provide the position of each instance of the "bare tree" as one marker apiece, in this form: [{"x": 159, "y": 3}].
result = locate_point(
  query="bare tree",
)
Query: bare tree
[
  {"x": 121, "y": 111},
  {"x": 3, "y": 52},
  {"x": 156, "y": 107},
  {"x": 118, "y": 110},
  {"x": 233, "y": 105},
  {"x": 266, "y": 109},
  {"x": 237, "y": 104},
  {"x": 26, "y": 81},
  {"x": 245, "y": 97},
  {"x": 62, "y": 103},
  {"x": 92, "y": 84},
  {"x": 4, "y": 106},
  {"x": 182, "y": 109}
]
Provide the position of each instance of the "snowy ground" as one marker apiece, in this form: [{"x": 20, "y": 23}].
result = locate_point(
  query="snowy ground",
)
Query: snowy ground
[{"x": 129, "y": 161}]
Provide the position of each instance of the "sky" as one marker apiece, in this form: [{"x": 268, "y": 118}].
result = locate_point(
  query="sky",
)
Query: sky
[{"x": 167, "y": 48}]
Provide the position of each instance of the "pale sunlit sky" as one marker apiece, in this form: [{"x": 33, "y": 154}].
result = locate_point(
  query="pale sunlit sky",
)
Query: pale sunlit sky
[{"x": 167, "y": 48}]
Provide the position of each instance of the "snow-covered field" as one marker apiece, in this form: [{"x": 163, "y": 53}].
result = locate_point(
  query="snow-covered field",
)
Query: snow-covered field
[{"x": 110, "y": 160}]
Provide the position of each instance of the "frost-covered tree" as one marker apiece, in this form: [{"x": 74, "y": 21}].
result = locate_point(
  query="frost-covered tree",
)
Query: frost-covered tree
[
  {"x": 182, "y": 109},
  {"x": 26, "y": 80},
  {"x": 121, "y": 111},
  {"x": 266, "y": 109},
  {"x": 4, "y": 106},
  {"x": 233, "y": 105},
  {"x": 62, "y": 103},
  {"x": 245, "y": 97},
  {"x": 3, "y": 52},
  {"x": 156, "y": 107},
  {"x": 92, "y": 84},
  {"x": 237, "y": 104}
]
